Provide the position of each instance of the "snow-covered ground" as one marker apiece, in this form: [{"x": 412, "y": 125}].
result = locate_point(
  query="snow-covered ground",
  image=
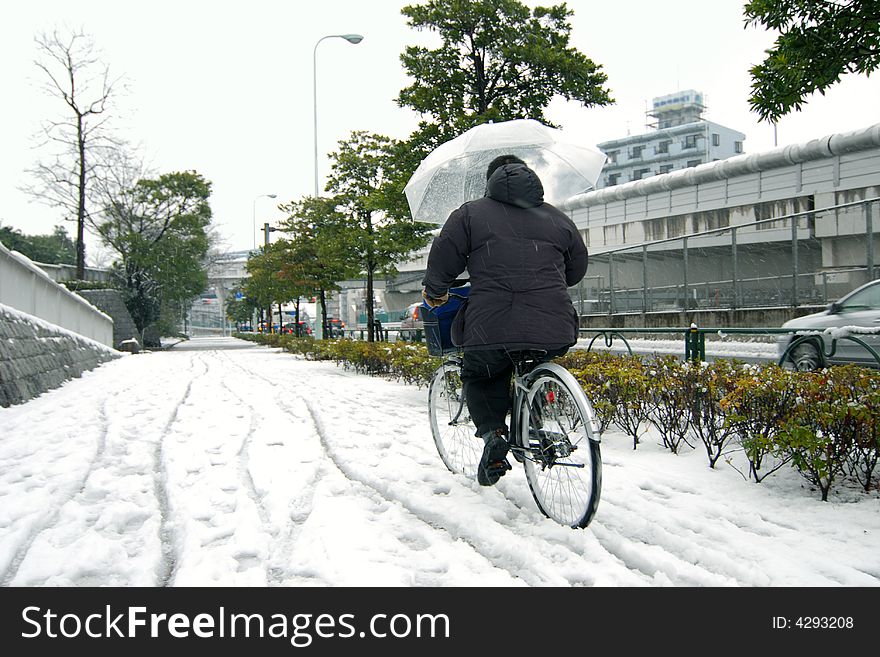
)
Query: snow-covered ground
[{"x": 245, "y": 466}]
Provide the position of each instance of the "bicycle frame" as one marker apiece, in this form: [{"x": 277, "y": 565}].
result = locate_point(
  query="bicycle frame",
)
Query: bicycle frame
[
  {"x": 522, "y": 382},
  {"x": 522, "y": 371},
  {"x": 552, "y": 424}
]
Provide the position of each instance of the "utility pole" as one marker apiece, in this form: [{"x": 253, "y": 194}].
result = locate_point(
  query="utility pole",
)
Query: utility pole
[{"x": 266, "y": 230}]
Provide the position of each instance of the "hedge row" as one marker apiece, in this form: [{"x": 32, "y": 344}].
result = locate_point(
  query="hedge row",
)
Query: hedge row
[
  {"x": 826, "y": 424},
  {"x": 408, "y": 362}
]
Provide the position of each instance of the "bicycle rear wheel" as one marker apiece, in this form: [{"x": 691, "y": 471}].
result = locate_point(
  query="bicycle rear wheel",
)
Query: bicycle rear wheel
[
  {"x": 562, "y": 458},
  {"x": 451, "y": 423}
]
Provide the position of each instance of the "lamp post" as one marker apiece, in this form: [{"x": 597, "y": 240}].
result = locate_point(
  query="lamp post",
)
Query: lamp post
[
  {"x": 254, "y": 217},
  {"x": 266, "y": 230},
  {"x": 351, "y": 38},
  {"x": 354, "y": 39}
]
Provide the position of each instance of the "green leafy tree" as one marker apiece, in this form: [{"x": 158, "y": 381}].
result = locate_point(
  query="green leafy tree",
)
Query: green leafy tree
[
  {"x": 818, "y": 42},
  {"x": 158, "y": 228},
  {"x": 54, "y": 249},
  {"x": 499, "y": 60},
  {"x": 240, "y": 307},
  {"x": 370, "y": 238},
  {"x": 315, "y": 262},
  {"x": 268, "y": 285}
]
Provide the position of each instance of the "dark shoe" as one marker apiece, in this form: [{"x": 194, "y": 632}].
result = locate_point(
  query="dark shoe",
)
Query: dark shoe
[{"x": 493, "y": 464}]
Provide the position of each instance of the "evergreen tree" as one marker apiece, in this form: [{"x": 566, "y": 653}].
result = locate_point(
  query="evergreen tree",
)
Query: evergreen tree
[
  {"x": 315, "y": 260},
  {"x": 159, "y": 230},
  {"x": 498, "y": 61},
  {"x": 818, "y": 42},
  {"x": 371, "y": 236},
  {"x": 54, "y": 249}
]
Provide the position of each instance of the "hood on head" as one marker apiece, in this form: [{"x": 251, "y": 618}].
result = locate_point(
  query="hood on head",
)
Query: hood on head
[{"x": 517, "y": 185}]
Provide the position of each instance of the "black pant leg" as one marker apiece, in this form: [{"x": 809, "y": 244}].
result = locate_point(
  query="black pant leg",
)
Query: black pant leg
[{"x": 486, "y": 375}]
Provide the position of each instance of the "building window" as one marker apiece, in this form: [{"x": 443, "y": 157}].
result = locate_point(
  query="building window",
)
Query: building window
[
  {"x": 738, "y": 146},
  {"x": 665, "y": 168},
  {"x": 663, "y": 147},
  {"x": 690, "y": 141},
  {"x": 716, "y": 139},
  {"x": 694, "y": 163},
  {"x": 613, "y": 178},
  {"x": 612, "y": 156},
  {"x": 635, "y": 153},
  {"x": 638, "y": 174}
]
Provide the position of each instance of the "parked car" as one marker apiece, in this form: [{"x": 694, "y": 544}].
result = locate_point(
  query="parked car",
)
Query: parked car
[
  {"x": 411, "y": 318},
  {"x": 336, "y": 327},
  {"x": 305, "y": 328},
  {"x": 860, "y": 309}
]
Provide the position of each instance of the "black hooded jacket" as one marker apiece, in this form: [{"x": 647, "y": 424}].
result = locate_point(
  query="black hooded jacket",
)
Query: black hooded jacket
[{"x": 522, "y": 255}]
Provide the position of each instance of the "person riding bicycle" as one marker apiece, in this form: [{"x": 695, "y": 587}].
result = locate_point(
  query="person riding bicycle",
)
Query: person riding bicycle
[{"x": 521, "y": 255}]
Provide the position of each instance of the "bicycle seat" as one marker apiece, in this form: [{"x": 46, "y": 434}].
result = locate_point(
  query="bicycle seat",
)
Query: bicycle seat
[{"x": 528, "y": 354}]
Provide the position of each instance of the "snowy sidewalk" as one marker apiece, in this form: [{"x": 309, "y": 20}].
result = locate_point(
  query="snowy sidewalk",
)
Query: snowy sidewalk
[{"x": 252, "y": 467}]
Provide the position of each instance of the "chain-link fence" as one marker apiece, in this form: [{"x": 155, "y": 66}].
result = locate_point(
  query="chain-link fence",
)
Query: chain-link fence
[{"x": 773, "y": 262}]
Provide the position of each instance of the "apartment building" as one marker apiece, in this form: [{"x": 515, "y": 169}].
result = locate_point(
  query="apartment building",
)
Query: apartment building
[{"x": 678, "y": 138}]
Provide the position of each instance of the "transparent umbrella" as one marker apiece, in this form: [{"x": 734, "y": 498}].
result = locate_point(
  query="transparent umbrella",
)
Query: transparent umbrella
[{"x": 455, "y": 171}]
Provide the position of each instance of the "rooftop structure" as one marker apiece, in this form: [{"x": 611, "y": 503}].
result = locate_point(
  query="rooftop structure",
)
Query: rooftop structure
[{"x": 680, "y": 139}]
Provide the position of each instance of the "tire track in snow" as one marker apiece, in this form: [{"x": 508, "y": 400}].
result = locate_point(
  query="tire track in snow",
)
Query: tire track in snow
[
  {"x": 51, "y": 519},
  {"x": 243, "y": 455},
  {"x": 519, "y": 549},
  {"x": 372, "y": 491},
  {"x": 274, "y": 575},
  {"x": 283, "y": 540},
  {"x": 167, "y": 539},
  {"x": 508, "y": 560}
]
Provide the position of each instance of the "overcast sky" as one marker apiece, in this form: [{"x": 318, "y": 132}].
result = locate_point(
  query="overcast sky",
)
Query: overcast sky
[{"x": 225, "y": 88}]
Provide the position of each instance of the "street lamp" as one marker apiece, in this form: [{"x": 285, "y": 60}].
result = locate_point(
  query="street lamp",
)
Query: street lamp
[
  {"x": 255, "y": 215},
  {"x": 266, "y": 230},
  {"x": 351, "y": 38}
]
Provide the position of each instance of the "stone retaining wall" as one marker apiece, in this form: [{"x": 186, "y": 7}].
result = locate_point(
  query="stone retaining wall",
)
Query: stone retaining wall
[
  {"x": 36, "y": 356},
  {"x": 111, "y": 303}
]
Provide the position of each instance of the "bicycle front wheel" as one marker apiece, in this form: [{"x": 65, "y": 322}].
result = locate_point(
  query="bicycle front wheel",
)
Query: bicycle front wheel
[
  {"x": 451, "y": 423},
  {"x": 562, "y": 458}
]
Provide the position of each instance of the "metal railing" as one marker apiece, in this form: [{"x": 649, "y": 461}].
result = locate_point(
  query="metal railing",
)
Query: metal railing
[
  {"x": 774, "y": 261},
  {"x": 695, "y": 339}
]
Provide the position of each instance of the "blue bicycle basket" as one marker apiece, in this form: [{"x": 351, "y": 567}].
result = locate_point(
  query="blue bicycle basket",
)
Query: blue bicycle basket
[{"x": 437, "y": 322}]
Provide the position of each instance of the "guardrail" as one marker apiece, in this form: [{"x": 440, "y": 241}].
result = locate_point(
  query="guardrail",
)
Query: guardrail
[
  {"x": 695, "y": 338},
  {"x": 682, "y": 273},
  {"x": 386, "y": 333}
]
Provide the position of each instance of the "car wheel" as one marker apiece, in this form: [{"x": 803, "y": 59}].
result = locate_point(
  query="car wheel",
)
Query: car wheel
[{"x": 806, "y": 357}]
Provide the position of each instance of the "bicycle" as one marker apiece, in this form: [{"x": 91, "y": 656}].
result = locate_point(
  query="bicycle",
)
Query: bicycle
[{"x": 553, "y": 430}]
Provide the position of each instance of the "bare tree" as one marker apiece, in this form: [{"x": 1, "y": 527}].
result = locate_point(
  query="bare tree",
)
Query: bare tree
[{"x": 73, "y": 72}]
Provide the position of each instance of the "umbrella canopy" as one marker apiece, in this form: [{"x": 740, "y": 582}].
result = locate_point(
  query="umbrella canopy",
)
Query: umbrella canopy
[{"x": 455, "y": 171}]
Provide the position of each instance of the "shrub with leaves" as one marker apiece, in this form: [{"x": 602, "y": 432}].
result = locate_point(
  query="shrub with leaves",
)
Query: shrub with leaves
[
  {"x": 858, "y": 392},
  {"x": 633, "y": 385},
  {"x": 761, "y": 399},
  {"x": 670, "y": 412},
  {"x": 600, "y": 385},
  {"x": 705, "y": 386},
  {"x": 813, "y": 435}
]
